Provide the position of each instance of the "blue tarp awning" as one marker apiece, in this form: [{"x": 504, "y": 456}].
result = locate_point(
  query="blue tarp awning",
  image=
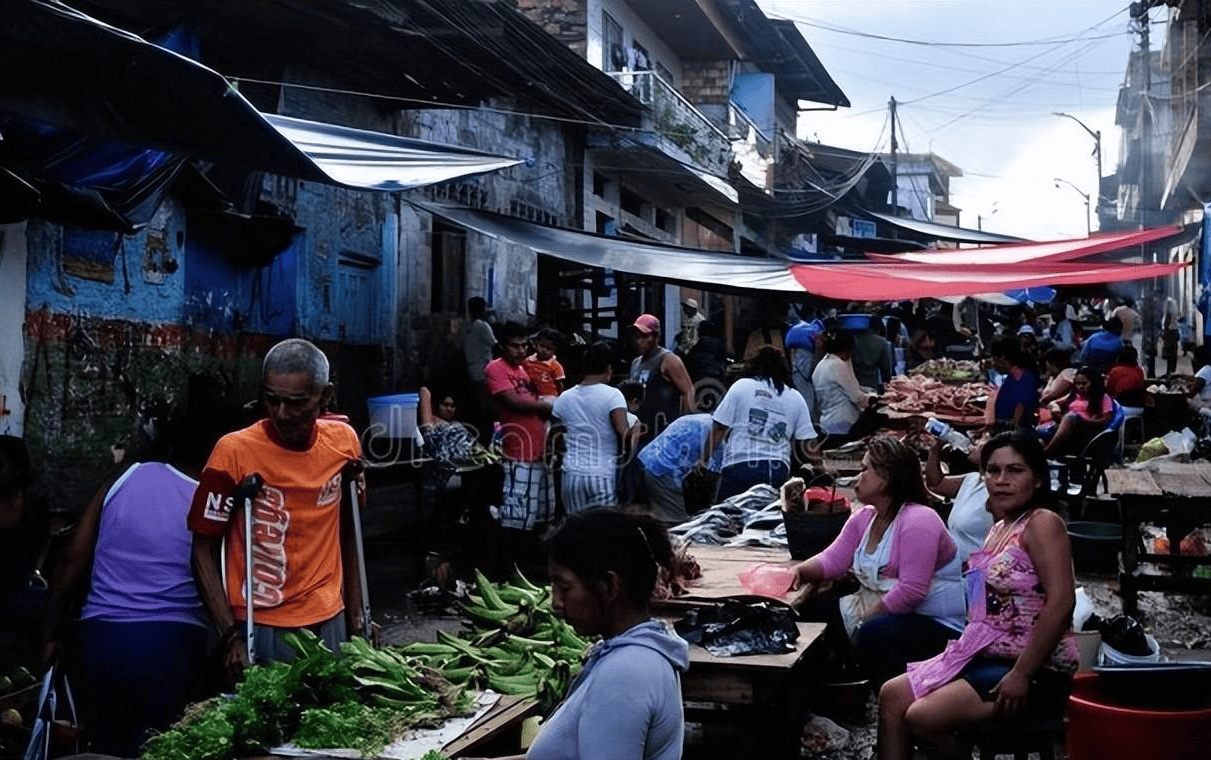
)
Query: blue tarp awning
[{"x": 97, "y": 113}]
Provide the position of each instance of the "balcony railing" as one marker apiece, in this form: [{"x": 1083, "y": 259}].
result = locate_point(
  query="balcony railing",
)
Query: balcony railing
[{"x": 676, "y": 119}]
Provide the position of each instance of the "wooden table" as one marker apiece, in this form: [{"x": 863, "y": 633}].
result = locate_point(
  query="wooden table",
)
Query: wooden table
[
  {"x": 763, "y": 694},
  {"x": 1176, "y": 495}
]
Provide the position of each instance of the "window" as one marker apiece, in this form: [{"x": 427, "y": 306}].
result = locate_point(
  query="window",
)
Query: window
[
  {"x": 613, "y": 57},
  {"x": 447, "y": 269},
  {"x": 631, "y": 202},
  {"x": 665, "y": 75}
]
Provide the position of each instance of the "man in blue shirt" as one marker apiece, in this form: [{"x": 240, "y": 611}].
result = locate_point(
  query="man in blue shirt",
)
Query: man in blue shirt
[
  {"x": 668, "y": 459},
  {"x": 1101, "y": 349}
]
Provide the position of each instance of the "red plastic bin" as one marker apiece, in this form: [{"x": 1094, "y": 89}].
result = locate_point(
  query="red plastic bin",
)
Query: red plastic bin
[{"x": 1100, "y": 729}]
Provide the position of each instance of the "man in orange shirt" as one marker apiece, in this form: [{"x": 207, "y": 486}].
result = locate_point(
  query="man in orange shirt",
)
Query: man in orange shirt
[{"x": 303, "y": 547}]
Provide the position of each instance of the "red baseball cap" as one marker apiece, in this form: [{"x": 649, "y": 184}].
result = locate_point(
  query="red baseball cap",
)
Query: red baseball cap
[{"x": 646, "y": 323}]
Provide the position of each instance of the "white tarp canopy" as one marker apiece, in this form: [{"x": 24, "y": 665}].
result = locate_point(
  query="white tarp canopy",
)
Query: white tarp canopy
[{"x": 379, "y": 161}]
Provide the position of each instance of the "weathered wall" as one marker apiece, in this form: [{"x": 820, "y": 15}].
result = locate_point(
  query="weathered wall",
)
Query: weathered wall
[
  {"x": 562, "y": 19},
  {"x": 544, "y": 189},
  {"x": 707, "y": 83}
]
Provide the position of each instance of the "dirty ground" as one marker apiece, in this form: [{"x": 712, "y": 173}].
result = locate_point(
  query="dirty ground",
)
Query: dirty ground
[{"x": 401, "y": 561}]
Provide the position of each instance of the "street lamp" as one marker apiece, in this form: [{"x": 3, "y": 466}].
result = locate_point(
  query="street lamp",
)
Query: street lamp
[
  {"x": 1088, "y": 228},
  {"x": 1097, "y": 150}
]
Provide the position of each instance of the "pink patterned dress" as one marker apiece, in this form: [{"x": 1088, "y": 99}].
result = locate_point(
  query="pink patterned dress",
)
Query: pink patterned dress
[{"x": 1004, "y": 599}]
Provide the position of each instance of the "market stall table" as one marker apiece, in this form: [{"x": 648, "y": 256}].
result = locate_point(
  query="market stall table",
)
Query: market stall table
[
  {"x": 1176, "y": 495},
  {"x": 763, "y": 694}
]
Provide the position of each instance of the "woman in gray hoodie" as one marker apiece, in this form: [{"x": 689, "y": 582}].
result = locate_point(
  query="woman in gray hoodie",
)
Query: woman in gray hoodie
[{"x": 626, "y": 701}]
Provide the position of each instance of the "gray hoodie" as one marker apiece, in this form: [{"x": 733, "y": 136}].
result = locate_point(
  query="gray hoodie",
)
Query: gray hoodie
[{"x": 625, "y": 704}]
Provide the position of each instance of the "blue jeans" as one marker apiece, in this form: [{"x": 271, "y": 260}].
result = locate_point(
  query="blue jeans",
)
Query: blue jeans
[
  {"x": 738, "y": 478},
  {"x": 885, "y": 644}
]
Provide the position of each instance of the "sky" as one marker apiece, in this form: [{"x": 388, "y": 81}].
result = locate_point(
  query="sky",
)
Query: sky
[{"x": 977, "y": 82}]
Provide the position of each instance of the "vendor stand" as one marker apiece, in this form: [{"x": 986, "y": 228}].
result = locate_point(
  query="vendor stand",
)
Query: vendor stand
[{"x": 1177, "y": 496}]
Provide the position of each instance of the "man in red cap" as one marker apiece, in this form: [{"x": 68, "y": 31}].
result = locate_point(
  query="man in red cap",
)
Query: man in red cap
[{"x": 668, "y": 390}]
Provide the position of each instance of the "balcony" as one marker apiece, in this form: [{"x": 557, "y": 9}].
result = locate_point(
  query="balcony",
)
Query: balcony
[{"x": 682, "y": 130}]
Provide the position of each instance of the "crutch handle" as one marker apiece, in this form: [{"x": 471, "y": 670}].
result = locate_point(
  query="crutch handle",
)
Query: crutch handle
[
  {"x": 353, "y": 469},
  {"x": 250, "y": 486}
]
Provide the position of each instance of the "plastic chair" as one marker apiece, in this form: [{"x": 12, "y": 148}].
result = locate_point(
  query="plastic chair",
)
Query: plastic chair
[
  {"x": 1131, "y": 415},
  {"x": 1018, "y": 738},
  {"x": 1084, "y": 472}
]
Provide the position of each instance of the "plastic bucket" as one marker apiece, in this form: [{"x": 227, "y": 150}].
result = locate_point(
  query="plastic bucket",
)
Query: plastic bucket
[
  {"x": 1095, "y": 546},
  {"x": 1089, "y": 645},
  {"x": 393, "y": 416},
  {"x": 1101, "y": 729},
  {"x": 1108, "y": 655}
]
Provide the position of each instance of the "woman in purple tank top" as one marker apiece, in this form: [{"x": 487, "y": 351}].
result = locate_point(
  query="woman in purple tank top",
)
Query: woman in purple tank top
[
  {"x": 1016, "y": 652},
  {"x": 142, "y": 632}
]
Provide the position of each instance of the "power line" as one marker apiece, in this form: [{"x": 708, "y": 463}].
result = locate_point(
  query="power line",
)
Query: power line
[{"x": 1075, "y": 36}]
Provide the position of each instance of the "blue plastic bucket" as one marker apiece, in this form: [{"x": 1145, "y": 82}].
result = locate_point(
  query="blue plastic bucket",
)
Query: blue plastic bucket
[{"x": 393, "y": 416}]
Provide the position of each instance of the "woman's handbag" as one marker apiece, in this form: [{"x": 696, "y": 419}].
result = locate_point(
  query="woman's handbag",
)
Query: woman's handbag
[{"x": 55, "y": 731}]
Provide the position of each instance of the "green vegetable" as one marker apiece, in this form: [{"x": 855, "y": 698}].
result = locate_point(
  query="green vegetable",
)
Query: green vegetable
[
  {"x": 366, "y": 729},
  {"x": 21, "y": 677},
  {"x": 203, "y": 734}
]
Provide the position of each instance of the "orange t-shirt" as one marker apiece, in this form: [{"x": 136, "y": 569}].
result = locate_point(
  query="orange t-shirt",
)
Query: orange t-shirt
[
  {"x": 296, "y": 554},
  {"x": 546, "y": 375}
]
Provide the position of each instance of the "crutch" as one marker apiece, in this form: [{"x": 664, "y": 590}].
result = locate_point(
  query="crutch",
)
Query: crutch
[
  {"x": 351, "y": 473},
  {"x": 248, "y": 491}
]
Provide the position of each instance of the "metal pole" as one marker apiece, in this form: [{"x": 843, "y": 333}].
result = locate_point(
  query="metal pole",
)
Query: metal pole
[
  {"x": 895, "y": 177},
  {"x": 351, "y": 473},
  {"x": 248, "y": 490},
  {"x": 1097, "y": 151}
]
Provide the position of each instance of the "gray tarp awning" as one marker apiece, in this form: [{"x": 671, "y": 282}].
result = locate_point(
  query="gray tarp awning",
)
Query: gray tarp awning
[
  {"x": 944, "y": 231},
  {"x": 721, "y": 271}
]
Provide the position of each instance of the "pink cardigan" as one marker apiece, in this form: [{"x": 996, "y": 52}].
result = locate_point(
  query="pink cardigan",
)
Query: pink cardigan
[{"x": 917, "y": 527}]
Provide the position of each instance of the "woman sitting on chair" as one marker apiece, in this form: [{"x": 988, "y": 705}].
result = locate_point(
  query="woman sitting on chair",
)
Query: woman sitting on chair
[
  {"x": 910, "y": 597},
  {"x": 1087, "y": 411},
  {"x": 1016, "y": 651}
]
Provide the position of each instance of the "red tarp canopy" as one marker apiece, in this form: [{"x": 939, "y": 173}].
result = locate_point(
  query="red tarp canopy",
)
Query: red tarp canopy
[
  {"x": 940, "y": 273},
  {"x": 1013, "y": 253}
]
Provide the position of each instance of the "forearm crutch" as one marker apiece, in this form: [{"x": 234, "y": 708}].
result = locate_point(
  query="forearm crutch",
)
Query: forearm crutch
[
  {"x": 248, "y": 491},
  {"x": 350, "y": 475}
]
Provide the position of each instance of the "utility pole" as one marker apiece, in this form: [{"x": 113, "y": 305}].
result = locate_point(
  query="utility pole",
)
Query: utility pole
[
  {"x": 895, "y": 177},
  {"x": 1139, "y": 12},
  {"x": 1096, "y": 134}
]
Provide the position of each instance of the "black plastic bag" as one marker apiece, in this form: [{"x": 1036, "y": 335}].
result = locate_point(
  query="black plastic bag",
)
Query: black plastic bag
[
  {"x": 739, "y": 628},
  {"x": 1125, "y": 634}
]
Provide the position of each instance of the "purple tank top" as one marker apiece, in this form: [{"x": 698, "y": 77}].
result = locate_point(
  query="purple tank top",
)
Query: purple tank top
[{"x": 141, "y": 565}]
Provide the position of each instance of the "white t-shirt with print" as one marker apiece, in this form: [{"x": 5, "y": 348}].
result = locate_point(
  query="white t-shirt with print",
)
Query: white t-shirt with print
[
  {"x": 762, "y": 422},
  {"x": 1204, "y": 374},
  {"x": 590, "y": 442}
]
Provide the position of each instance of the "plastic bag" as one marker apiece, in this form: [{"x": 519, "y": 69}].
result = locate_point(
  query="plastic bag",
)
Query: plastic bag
[
  {"x": 1125, "y": 634},
  {"x": 740, "y": 628},
  {"x": 55, "y": 731},
  {"x": 1083, "y": 609},
  {"x": 768, "y": 580}
]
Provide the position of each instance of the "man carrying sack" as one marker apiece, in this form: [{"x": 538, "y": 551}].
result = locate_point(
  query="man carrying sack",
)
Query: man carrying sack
[{"x": 304, "y": 558}]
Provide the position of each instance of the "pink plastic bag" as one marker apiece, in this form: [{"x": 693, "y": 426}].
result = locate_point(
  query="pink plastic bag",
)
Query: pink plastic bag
[{"x": 768, "y": 580}]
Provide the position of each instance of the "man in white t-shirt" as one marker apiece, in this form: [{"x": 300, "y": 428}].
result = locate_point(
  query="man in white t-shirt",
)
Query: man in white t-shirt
[
  {"x": 593, "y": 418},
  {"x": 1199, "y": 390},
  {"x": 762, "y": 415}
]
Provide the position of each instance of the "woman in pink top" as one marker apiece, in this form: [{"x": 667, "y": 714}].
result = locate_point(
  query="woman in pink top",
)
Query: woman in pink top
[
  {"x": 910, "y": 599},
  {"x": 1016, "y": 651},
  {"x": 1088, "y": 411}
]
